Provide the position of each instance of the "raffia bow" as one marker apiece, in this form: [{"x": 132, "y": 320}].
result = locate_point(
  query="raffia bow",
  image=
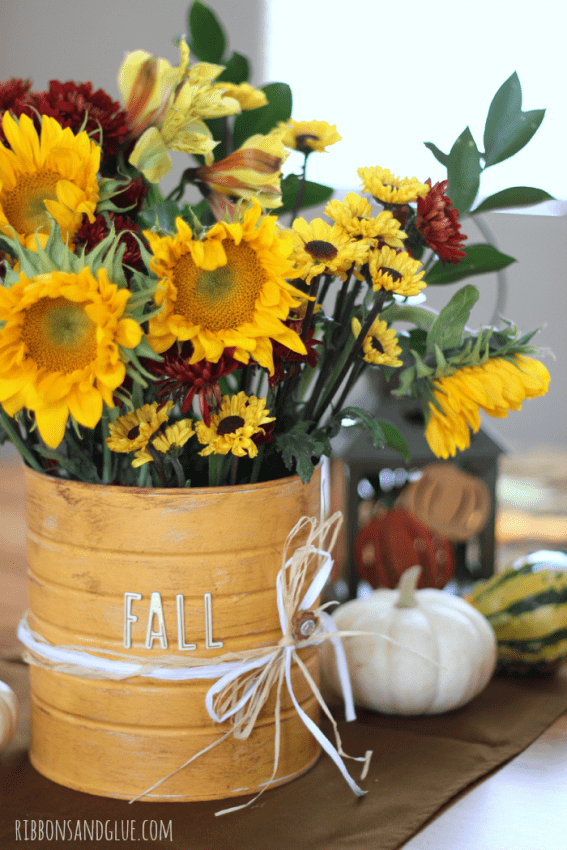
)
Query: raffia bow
[{"x": 241, "y": 693}]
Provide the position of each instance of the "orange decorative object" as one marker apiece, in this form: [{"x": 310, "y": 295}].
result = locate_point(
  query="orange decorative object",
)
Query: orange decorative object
[
  {"x": 153, "y": 573},
  {"x": 451, "y": 502},
  {"x": 395, "y": 540}
]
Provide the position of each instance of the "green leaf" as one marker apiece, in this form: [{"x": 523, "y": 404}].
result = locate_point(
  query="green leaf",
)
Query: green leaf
[
  {"x": 448, "y": 328},
  {"x": 479, "y": 259},
  {"x": 265, "y": 118},
  {"x": 162, "y": 215},
  {"x": 237, "y": 70},
  {"x": 208, "y": 41},
  {"x": 421, "y": 317},
  {"x": 438, "y": 154},
  {"x": 515, "y": 196},
  {"x": 463, "y": 172},
  {"x": 315, "y": 193},
  {"x": 508, "y": 129},
  {"x": 395, "y": 439},
  {"x": 382, "y": 433},
  {"x": 298, "y": 449}
]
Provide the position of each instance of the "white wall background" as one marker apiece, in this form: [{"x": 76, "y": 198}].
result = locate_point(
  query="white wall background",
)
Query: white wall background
[{"x": 391, "y": 77}]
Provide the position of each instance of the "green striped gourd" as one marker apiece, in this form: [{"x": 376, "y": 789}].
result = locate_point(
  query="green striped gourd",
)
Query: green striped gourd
[{"x": 527, "y": 608}]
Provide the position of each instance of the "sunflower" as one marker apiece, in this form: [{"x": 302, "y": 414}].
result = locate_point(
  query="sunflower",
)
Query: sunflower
[
  {"x": 395, "y": 271},
  {"x": 353, "y": 215},
  {"x": 53, "y": 174},
  {"x": 380, "y": 345},
  {"x": 227, "y": 290},
  {"x": 60, "y": 348},
  {"x": 308, "y": 136},
  {"x": 232, "y": 428},
  {"x": 497, "y": 386},
  {"x": 174, "y": 437},
  {"x": 320, "y": 247},
  {"x": 133, "y": 430},
  {"x": 386, "y": 187}
]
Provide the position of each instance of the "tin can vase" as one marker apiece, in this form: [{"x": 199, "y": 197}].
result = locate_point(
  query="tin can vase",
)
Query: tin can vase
[{"x": 150, "y": 572}]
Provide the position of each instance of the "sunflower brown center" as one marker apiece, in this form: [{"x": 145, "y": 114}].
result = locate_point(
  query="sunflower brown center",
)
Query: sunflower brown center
[
  {"x": 230, "y": 425},
  {"x": 376, "y": 344},
  {"x": 24, "y": 205},
  {"x": 395, "y": 275},
  {"x": 321, "y": 250},
  {"x": 225, "y": 297},
  {"x": 59, "y": 335}
]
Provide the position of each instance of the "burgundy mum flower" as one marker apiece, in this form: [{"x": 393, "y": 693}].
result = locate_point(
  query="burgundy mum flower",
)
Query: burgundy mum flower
[
  {"x": 182, "y": 381},
  {"x": 14, "y": 98},
  {"x": 438, "y": 224},
  {"x": 91, "y": 233},
  {"x": 285, "y": 359},
  {"x": 71, "y": 103}
]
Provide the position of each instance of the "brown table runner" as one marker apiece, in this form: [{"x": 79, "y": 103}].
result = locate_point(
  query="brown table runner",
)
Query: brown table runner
[{"x": 419, "y": 764}]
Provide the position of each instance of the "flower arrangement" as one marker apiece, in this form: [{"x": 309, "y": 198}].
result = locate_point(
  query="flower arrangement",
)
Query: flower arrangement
[{"x": 147, "y": 341}]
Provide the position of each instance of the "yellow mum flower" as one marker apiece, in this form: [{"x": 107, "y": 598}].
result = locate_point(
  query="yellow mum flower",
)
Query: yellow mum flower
[
  {"x": 380, "y": 345},
  {"x": 60, "y": 348},
  {"x": 308, "y": 136},
  {"x": 133, "y": 430},
  {"x": 232, "y": 428},
  {"x": 320, "y": 247},
  {"x": 226, "y": 290},
  {"x": 247, "y": 96},
  {"x": 386, "y": 187},
  {"x": 174, "y": 437},
  {"x": 53, "y": 174},
  {"x": 395, "y": 271},
  {"x": 353, "y": 215},
  {"x": 497, "y": 386}
]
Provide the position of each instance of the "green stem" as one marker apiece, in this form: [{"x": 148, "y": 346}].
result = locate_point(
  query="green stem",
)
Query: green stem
[
  {"x": 257, "y": 465},
  {"x": 357, "y": 368},
  {"x": 158, "y": 464},
  {"x": 216, "y": 468},
  {"x": 18, "y": 442},
  {"x": 233, "y": 470},
  {"x": 367, "y": 324},
  {"x": 300, "y": 190},
  {"x": 143, "y": 475},
  {"x": 106, "y": 452},
  {"x": 178, "y": 469}
]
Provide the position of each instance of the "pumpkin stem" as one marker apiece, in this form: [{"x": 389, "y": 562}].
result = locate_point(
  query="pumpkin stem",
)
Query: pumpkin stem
[{"x": 406, "y": 588}]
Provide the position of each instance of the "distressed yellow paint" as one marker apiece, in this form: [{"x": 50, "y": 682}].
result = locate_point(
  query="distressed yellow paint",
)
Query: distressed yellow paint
[{"x": 88, "y": 545}]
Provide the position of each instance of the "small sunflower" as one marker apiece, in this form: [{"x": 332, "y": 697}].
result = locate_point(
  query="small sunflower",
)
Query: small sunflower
[
  {"x": 497, "y": 386},
  {"x": 54, "y": 174},
  {"x": 320, "y": 247},
  {"x": 133, "y": 430},
  {"x": 395, "y": 271},
  {"x": 380, "y": 345},
  {"x": 61, "y": 346},
  {"x": 308, "y": 136},
  {"x": 173, "y": 438},
  {"x": 227, "y": 290},
  {"x": 386, "y": 187},
  {"x": 353, "y": 215},
  {"x": 232, "y": 429}
]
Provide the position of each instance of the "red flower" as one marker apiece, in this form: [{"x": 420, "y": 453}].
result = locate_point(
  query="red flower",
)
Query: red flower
[
  {"x": 438, "y": 224},
  {"x": 14, "y": 98},
  {"x": 182, "y": 381},
  {"x": 77, "y": 106},
  {"x": 91, "y": 233},
  {"x": 284, "y": 356}
]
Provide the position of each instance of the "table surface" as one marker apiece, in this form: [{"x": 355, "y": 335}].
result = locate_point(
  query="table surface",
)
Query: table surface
[{"x": 521, "y": 806}]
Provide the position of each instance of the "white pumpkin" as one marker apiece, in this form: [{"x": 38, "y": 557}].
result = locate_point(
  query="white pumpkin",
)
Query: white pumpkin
[
  {"x": 8, "y": 714},
  {"x": 454, "y": 649}
]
